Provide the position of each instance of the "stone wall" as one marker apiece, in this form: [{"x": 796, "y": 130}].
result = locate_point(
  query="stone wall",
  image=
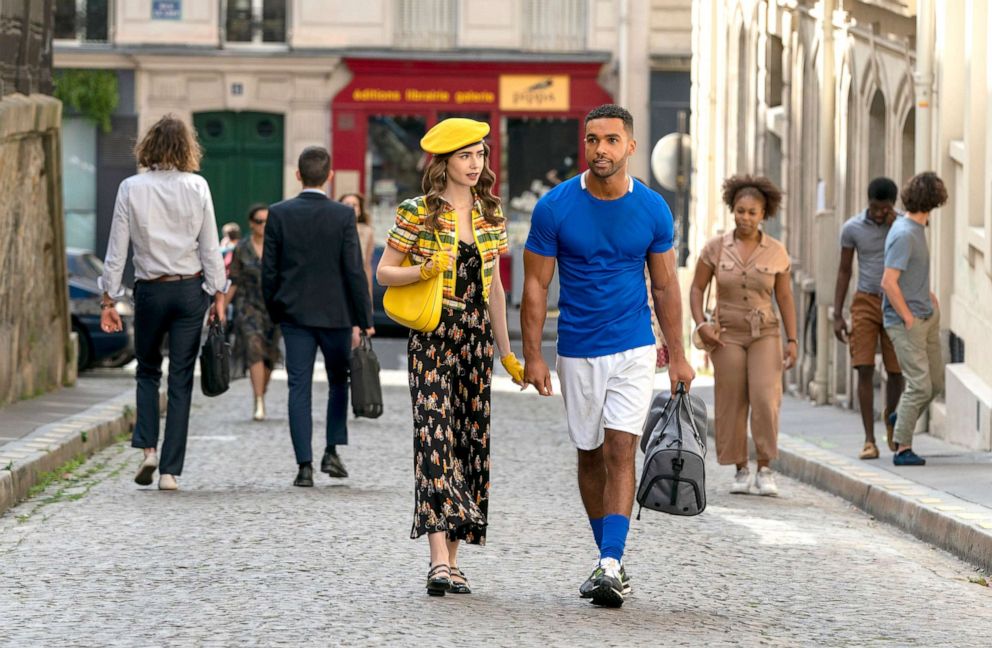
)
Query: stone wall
[{"x": 36, "y": 352}]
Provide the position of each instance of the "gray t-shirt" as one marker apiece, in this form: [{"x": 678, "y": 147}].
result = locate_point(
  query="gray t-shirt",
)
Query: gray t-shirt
[
  {"x": 868, "y": 239},
  {"x": 906, "y": 250}
]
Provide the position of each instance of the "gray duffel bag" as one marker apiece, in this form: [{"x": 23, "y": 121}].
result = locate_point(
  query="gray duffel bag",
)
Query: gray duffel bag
[{"x": 673, "y": 479}]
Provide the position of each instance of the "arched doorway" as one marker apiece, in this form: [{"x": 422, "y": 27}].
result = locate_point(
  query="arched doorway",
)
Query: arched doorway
[{"x": 242, "y": 160}]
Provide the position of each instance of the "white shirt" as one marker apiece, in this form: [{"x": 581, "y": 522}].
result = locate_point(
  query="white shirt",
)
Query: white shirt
[{"x": 168, "y": 218}]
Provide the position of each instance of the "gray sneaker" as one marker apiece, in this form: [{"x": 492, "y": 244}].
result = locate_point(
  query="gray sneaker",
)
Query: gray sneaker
[{"x": 585, "y": 590}]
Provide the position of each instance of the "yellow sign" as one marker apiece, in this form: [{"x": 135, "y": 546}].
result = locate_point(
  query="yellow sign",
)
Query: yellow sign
[{"x": 534, "y": 92}]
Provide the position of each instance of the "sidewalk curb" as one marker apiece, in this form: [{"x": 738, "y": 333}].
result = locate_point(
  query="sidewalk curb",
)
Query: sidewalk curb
[
  {"x": 23, "y": 462},
  {"x": 936, "y": 517}
]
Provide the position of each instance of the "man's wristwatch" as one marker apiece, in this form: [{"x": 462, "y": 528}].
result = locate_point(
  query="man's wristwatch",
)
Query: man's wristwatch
[{"x": 106, "y": 305}]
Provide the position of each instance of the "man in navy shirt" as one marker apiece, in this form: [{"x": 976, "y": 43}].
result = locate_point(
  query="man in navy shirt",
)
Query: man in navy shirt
[{"x": 601, "y": 227}]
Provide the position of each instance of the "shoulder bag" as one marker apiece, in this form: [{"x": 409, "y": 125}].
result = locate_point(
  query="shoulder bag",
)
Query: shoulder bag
[
  {"x": 709, "y": 310},
  {"x": 416, "y": 305}
]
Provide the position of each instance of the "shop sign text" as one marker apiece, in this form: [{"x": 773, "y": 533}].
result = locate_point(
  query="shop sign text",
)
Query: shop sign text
[{"x": 422, "y": 95}]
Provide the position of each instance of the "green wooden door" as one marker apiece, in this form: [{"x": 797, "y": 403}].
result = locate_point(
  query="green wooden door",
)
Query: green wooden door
[{"x": 242, "y": 161}]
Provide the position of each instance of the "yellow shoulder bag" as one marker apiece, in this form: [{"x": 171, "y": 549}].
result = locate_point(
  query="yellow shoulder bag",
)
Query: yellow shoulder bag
[{"x": 416, "y": 305}]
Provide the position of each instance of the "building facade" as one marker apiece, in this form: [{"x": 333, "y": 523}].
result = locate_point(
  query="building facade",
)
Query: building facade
[
  {"x": 262, "y": 79},
  {"x": 822, "y": 96}
]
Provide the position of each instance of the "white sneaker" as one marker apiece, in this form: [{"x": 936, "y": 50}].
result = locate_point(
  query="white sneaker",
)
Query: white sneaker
[
  {"x": 147, "y": 468},
  {"x": 742, "y": 482},
  {"x": 765, "y": 482},
  {"x": 167, "y": 483}
]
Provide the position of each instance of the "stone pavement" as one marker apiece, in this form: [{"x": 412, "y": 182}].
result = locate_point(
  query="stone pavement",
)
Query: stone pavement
[
  {"x": 948, "y": 502},
  {"x": 20, "y": 419},
  {"x": 241, "y": 557}
]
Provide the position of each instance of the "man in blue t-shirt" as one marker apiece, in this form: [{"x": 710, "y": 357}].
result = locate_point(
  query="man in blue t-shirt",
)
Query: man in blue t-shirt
[{"x": 601, "y": 227}]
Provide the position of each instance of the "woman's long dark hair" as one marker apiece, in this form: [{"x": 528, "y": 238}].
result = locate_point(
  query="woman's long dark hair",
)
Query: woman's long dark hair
[
  {"x": 363, "y": 214},
  {"x": 435, "y": 180}
]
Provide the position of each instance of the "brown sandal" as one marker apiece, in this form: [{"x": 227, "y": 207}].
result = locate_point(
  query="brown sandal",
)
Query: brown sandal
[
  {"x": 459, "y": 587},
  {"x": 870, "y": 451},
  {"x": 438, "y": 580}
]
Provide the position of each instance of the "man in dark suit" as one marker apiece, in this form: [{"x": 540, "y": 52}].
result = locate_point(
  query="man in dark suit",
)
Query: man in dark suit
[{"x": 316, "y": 290}]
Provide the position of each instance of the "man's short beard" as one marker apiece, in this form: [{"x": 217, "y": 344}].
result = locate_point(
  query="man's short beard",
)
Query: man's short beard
[{"x": 614, "y": 169}]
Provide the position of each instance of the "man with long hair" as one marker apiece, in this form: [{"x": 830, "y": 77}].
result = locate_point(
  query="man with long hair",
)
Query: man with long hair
[
  {"x": 601, "y": 227},
  {"x": 166, "y": 215}
]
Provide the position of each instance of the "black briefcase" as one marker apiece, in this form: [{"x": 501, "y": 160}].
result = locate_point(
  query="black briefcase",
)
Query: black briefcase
[
  {"x": 215, "y": 362},
  {"x": 366, "y": 390}
]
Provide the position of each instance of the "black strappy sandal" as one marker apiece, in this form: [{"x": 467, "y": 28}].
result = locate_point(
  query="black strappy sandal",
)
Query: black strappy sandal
[
  {"x": 438, "y": 580},
  {"x": 459, "y": 587}
]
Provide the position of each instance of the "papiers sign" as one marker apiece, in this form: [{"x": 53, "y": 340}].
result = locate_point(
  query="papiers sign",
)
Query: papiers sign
[{"x": 530, "y": 92}]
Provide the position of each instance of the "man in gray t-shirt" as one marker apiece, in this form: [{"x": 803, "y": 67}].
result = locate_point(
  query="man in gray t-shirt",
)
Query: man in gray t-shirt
[
  {"x": 912, "y": 318},
  {"x": 864, "y": 235}
]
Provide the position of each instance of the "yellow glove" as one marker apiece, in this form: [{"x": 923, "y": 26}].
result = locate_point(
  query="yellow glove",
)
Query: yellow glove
[
  {"x": 513, "y": 367},
  {"x": 439, "y": 263}
]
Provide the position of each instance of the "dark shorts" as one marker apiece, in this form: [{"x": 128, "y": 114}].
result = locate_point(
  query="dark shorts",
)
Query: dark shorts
[{"x": 867, "y": 330}]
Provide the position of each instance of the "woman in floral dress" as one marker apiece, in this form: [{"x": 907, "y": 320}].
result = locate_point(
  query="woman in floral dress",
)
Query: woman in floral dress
[
  {"x": 257, "y": 338},
  {"x": 457, "y": 228}
]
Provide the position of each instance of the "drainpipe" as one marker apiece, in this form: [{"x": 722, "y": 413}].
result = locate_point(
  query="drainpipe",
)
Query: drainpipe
[
  {"x": 623, "y": 57},
  {"x": 824, "y": 258},
  {"x": 923, "y": 82}
]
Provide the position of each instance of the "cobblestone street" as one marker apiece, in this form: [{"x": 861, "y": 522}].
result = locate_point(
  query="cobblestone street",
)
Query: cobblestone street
[{"x": 241, "y": 557}]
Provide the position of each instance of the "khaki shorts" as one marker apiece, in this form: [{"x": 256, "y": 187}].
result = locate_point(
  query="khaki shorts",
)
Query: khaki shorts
[{"x": 866, "y": 330}]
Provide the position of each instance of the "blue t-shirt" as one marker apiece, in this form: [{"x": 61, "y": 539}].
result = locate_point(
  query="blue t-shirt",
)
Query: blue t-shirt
[{"x": 601, "y": 247}]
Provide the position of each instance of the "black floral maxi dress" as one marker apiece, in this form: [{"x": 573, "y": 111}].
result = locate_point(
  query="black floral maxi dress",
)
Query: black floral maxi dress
[
  {"x": 256, "y": 337},
  {"x": 451, "y": 371}
]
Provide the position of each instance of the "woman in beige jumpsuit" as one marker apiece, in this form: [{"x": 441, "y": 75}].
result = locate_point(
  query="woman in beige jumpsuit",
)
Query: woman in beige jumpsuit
[{"x": 743, "y": 340}]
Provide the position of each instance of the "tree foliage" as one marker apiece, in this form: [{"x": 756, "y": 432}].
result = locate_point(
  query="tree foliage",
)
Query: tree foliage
[{"x": 92, "y": 93}]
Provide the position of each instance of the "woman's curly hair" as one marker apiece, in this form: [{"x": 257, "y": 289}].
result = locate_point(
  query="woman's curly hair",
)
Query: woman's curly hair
[
  {"x": 760, "y": 187},
  {"x": 923, "y": 192}
]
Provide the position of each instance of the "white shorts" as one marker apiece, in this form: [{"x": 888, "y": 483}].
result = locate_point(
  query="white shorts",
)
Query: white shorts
[{"x": 612, "y": 391}]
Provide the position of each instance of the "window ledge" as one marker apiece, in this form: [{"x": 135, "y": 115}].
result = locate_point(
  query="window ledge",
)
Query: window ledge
[
  {"x": 956, "y": 150},
  {"x": 977, "y": 239}
]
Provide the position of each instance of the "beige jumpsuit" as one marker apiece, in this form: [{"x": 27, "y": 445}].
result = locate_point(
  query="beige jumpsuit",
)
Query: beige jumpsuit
[{"x": 748, "y": 369}]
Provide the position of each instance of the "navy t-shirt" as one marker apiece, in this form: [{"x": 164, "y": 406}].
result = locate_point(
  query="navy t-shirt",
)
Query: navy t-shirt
[{"x": 601, "y": 247}]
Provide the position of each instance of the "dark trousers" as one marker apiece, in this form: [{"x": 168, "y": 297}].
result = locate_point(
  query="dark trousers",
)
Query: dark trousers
[
  {"x": 301, "y": 351},
  {"x": 176, "y": 308}
]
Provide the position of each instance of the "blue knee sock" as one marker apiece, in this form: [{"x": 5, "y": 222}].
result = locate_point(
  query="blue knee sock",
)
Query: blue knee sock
[
  {"x": 597, "y": 531},
  {"x": 615, "y": 529}
]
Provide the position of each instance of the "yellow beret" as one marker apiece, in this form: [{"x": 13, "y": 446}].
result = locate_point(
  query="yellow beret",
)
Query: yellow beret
[{"x": 452, "y": 134}]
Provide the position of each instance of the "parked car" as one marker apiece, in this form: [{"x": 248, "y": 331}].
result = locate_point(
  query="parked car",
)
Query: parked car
[{"x": 95, "y": 345}]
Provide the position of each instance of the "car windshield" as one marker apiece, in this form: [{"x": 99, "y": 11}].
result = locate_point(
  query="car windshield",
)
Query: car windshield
[{"x": 85, "y": 265}]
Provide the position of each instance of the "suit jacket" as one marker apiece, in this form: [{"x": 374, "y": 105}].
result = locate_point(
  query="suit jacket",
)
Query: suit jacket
[{"x": 312, "y": 272}]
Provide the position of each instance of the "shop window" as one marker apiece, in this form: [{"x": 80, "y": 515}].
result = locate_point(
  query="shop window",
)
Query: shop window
[
  {"x": 256, "y": 21},
  {"x": 82, "y": 20},
  {"x": 395, "y": 164},
  {"x": 541, "y": 153},
  {"x": 79, "y": 150}
]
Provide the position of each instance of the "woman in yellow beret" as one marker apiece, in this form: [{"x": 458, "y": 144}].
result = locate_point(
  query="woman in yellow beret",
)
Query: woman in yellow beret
[{"x": 456, "y": 228}]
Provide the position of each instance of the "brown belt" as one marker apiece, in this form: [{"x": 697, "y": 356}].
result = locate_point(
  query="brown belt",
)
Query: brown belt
[{"x": 173, "y": 277}]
